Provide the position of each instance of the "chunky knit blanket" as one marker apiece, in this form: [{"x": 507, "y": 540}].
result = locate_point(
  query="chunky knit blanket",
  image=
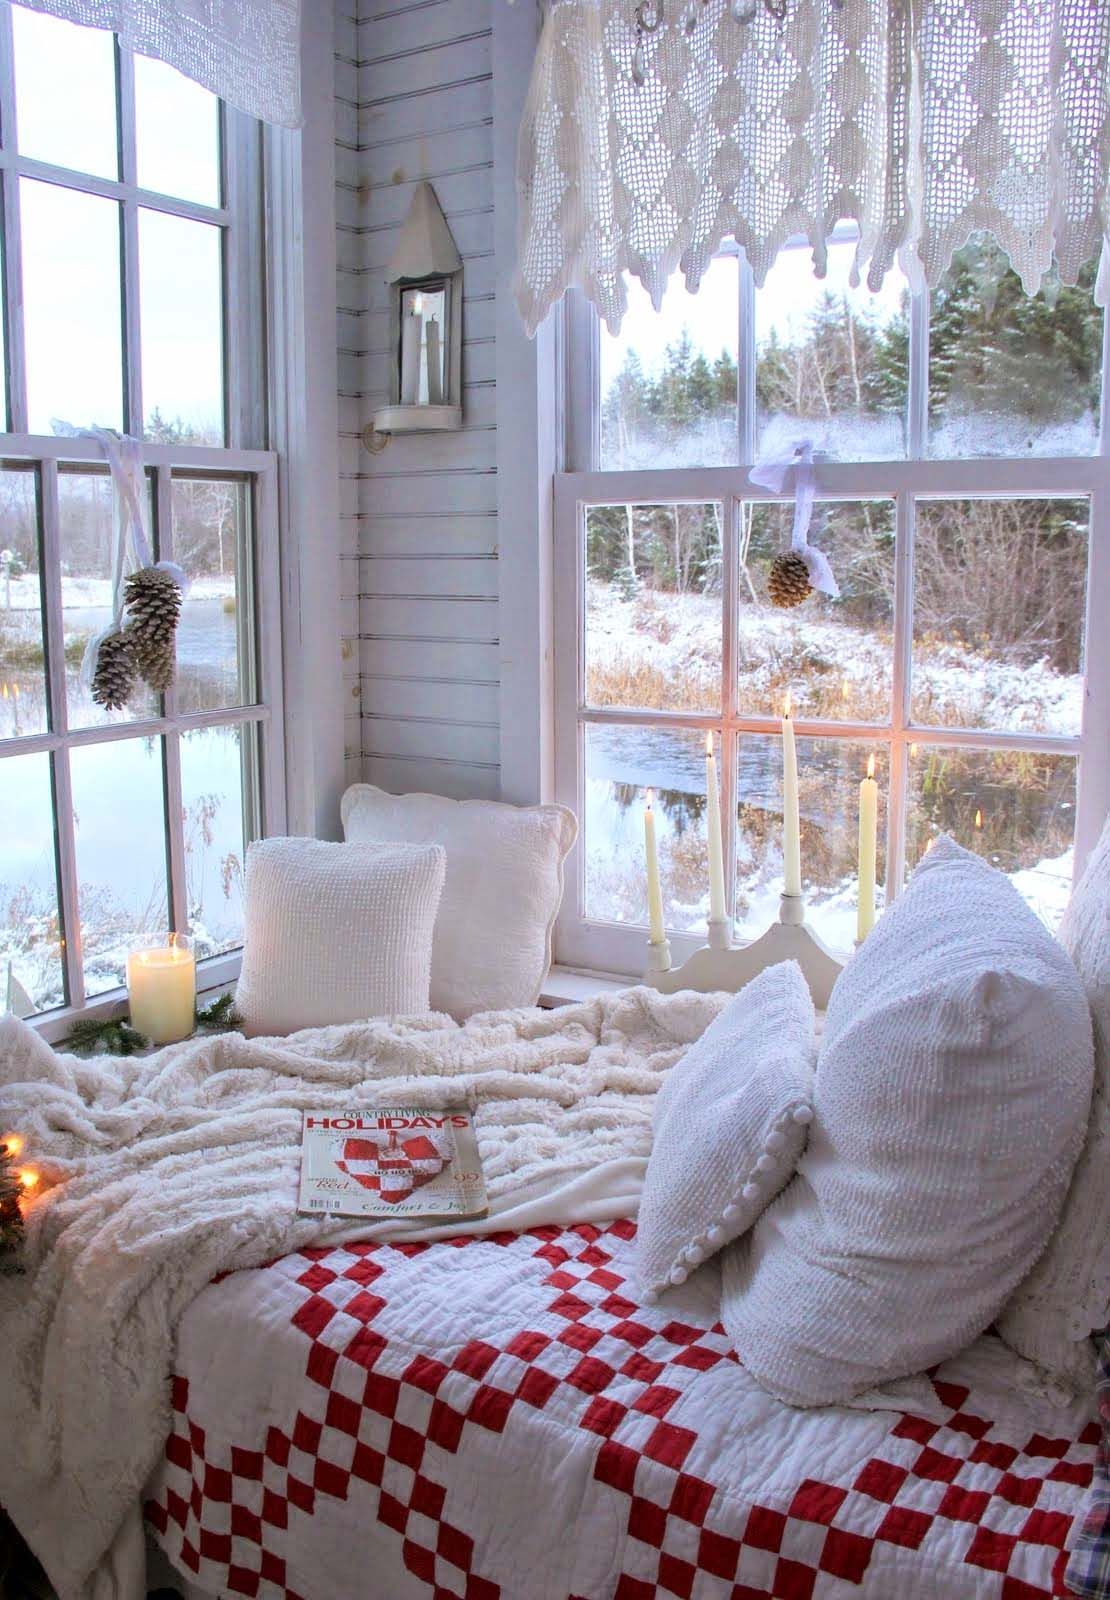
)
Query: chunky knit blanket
[{"x": 163, "y": 1172}]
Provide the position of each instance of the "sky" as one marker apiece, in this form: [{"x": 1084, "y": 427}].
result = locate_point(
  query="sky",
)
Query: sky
[{"x": 65, "y": 114}]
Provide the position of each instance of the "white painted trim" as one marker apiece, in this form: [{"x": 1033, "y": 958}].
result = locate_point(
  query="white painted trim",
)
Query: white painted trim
[
  {"x": 527, "y": 436},
  {"x": 304, "y": 421}
]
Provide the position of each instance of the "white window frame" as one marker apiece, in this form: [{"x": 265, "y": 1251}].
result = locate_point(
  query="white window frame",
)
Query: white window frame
[
  {"x": 267, "y": 278},
  {"x": 593, "y": 945}
]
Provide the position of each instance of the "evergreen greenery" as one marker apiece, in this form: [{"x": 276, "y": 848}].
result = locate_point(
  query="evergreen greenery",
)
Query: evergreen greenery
[{"x": 11, "y": 1218}]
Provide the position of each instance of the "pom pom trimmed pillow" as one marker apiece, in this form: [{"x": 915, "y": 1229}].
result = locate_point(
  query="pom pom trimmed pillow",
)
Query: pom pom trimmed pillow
[
  {"x": 502, "y": 892},
  {"x": 336, "y": 932},
  {"x": 1067, "y": 1295},
  {"x": 950, "y": 1104},
  {"x": 729, "y": 1125}
]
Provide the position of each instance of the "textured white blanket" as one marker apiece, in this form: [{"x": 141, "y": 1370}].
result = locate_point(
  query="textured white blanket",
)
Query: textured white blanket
[{"x": 163, "y": 1172}]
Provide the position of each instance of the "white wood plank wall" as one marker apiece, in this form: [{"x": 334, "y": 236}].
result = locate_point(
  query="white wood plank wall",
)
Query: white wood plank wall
[{"x": 414, "y": 100}]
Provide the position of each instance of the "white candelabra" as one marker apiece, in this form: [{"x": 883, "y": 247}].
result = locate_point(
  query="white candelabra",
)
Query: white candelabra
[{"x": 720, "y": 964}]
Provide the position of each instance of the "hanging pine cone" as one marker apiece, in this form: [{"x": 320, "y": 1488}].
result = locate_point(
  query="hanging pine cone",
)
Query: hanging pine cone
[
  {"x": 788, "y": 583},
  {"x": 153, "y": 601},
  {"x": 114, "y": 675}
]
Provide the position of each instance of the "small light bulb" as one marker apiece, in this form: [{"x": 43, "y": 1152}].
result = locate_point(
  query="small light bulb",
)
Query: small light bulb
[
  {"x": 29, "y": 1178},
  {"x": 12, "y": 1143}
]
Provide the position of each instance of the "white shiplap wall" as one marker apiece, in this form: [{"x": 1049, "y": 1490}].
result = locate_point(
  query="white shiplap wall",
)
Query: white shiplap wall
[{"x": 414, "y": 100}]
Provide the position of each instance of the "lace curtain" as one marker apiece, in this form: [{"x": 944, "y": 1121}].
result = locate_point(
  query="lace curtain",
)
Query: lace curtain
[
  {"x": 245, "y": 51},
  {"x": 922, "y": 120}
]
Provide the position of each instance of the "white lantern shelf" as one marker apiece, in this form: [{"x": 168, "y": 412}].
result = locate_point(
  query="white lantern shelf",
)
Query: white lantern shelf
[{"x": 425, "y": 279}]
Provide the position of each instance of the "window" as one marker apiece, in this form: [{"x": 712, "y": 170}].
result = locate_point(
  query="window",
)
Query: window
[
  {"x": 964, "y": 502},
  {"x": 130, "y": 256}
]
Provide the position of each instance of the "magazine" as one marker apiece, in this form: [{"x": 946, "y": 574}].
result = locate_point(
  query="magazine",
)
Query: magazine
[{"x": 391, "y": 1161}]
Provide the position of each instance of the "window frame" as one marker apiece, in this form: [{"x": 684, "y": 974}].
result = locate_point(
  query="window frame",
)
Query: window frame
[
  {"x": 620, "y": 948},
  {"x": 253, "y": 299}
]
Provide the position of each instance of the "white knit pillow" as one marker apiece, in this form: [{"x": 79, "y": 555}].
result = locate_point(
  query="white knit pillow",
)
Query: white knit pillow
[
  {"x": 729, "y": 1125},
  {"x": 336, "y": 932},
  {"x": 502, "y": 892},
  {"x": 950, "y": 1105},
  {"x": 1050, "y": 1316}
]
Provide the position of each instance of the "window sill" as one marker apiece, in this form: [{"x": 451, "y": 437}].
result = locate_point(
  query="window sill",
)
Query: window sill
[{"x": 568, "y": 986}]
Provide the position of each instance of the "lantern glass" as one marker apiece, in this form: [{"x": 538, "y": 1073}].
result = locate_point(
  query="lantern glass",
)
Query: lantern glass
[{"x": 423, "y": 344}]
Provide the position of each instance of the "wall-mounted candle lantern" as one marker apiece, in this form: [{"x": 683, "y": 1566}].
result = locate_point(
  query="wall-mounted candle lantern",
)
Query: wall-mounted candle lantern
[{"x": 425, "y": 278}]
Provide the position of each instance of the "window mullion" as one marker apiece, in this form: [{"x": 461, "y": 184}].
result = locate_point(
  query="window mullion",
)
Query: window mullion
[
  {"x": 171, "y": 743},
  {"x": 902, "y": 667},
  {"x": 13, "y": 246},
  {"x": 730, "y": 578},
  {"x": 745, "y": 376},
  {"x": 132, "y": 335},
  {"x": 50, "y": 565},
  {"x": 917, "y": 419}
]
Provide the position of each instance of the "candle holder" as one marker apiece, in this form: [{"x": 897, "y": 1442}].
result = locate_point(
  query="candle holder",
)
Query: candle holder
[
  {"x": 162, "y": 987},
  {"x": 720, "y": 964},
  {"x": 658, "y": 956}
]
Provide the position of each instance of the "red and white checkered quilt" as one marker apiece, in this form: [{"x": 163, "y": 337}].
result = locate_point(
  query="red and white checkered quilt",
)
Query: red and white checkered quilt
[{"x": 499, "y": 1417}]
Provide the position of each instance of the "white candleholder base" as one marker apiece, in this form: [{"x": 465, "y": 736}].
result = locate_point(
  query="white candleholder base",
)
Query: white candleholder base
[
  {"x": 658, "y": 958},
  {"x": 726, "y": 967},
  {"x": 720, "y": 935}
]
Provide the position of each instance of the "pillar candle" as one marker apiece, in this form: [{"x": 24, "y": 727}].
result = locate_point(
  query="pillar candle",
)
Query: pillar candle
[
  {"x": 791, "y": 827},
  {"x": 411, "y": 332},
  {"x": 651, "y": 858},
  {"x": 868, "y": 833},
  {"x": 713, "y": 835},
  {"x": 435, "y": 370},
  {"x": 162, "y": 990}
]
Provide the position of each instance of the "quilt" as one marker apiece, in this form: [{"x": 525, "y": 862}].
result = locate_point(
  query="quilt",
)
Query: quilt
[{"x": 501, "y": 1419}]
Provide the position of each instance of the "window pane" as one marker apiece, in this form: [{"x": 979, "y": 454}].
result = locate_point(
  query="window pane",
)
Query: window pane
[
  {"x": 834, "y": 656},
  {"x": 831, "y": 361},
  {"x": 22, "y": 658},
  {"x": 85, "y": 534},
  {"x": 30, "y": 928},
  {"x": 212, "y": 804},
  {"x": 621, "y": 765},
  {"x": 71, "y": 307},
  {"x": 1010, "y": 374},
  {"x": 121, "y": 852},
  {"x": 65, "y": 93},
  {"x": 215, "y": 650},
  {"x": 177, "y": 134},
  {"x": 999, "y": 599},
  {"x": 1015, "y": 808},
  {"x": 829, "y": 774},
  {"x": 181, "y": 295},
  {"x": 653, "y": 606},
  {"x": 668, "y": 379}
]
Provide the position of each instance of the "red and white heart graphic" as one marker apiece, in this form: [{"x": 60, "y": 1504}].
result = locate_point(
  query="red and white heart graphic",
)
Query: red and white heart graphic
[{"x": 396, "y": 1169}]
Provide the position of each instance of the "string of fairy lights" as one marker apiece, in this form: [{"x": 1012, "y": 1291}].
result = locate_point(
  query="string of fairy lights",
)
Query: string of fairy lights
[{"x": 17, "y": 1186}]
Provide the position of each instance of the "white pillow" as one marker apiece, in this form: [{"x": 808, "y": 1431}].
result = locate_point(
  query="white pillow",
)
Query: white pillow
[
  {"x": 501, "y": 896},
  {"x": 729, "y": 1125},
  {"x": 336, "y": 933},
  {"x": 1050, "y": 1317},
  {"x": 950, "y": 1106}
]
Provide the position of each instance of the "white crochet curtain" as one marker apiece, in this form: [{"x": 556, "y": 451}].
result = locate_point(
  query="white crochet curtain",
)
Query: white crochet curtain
[
  {"x": 923, "y": 120},
  {"x": 245, "y": 51}
]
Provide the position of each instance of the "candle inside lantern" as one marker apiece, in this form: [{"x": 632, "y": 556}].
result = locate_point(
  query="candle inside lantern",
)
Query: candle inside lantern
[
  {"x": 713, "y": 835},
  {"x": 162, "y": 988},
  {"x": 651, "y": 858},
  {"x": 868, "y": 834},
  {"x": 791, "y": 827},
  {"x": 435, "y": 369},
  {"x": 412, "y": 331}
]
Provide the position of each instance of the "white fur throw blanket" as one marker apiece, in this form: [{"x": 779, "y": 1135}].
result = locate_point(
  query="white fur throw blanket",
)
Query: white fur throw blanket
[{"x": 162, "y": 1172}]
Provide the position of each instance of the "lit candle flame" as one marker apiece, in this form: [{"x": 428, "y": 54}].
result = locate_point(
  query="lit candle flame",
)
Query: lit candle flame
[
  {"x": 871, "y": 765},
  {"x": 650, "y": 799},
  {"x": 12, "y": 1143},
  {"x": 708, "y": 742},
  {"x": 844, "y": 691},
  {"x": 787, "y": 704},
  {"x": 417, "y": 304},
  {"x": 913, "y": 751},
  {"x": 29, "y": 1178},
  {"x": 978, "y": 819},
  {"x": 929, "y": 846}
]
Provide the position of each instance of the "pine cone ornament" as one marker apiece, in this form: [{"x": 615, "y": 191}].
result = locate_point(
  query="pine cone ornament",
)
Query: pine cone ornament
[
  {"x": 114, "y": 675},
  {"x": 153, "y": 601},
  {"x": 788, "y": 583}
]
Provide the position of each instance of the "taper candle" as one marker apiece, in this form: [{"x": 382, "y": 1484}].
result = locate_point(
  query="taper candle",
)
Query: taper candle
[
  {"x": 435, "y": 369},
  {"x": 791, "y": 827},
  {"x": 651, "y": 858},
  {"x": 868, "y": 834},
  {"x": 162, "y": 988},
  {"x": 412, "y": 326},
  {"x": 713, "y": 835}
]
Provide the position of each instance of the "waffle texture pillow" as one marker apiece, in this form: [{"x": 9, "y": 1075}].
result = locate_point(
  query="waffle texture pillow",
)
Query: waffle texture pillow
[
  {"x": 1050, "y": 1317},
  {"x": 950, "y": 1106},
  {"x": 729, "y": 1125},
  {"x": 336, "y": 932},
  {"x": 501, "y": 896}
]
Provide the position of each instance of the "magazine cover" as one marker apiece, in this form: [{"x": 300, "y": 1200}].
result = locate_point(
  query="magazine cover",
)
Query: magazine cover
[{"x": 392, "y": 1161}]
